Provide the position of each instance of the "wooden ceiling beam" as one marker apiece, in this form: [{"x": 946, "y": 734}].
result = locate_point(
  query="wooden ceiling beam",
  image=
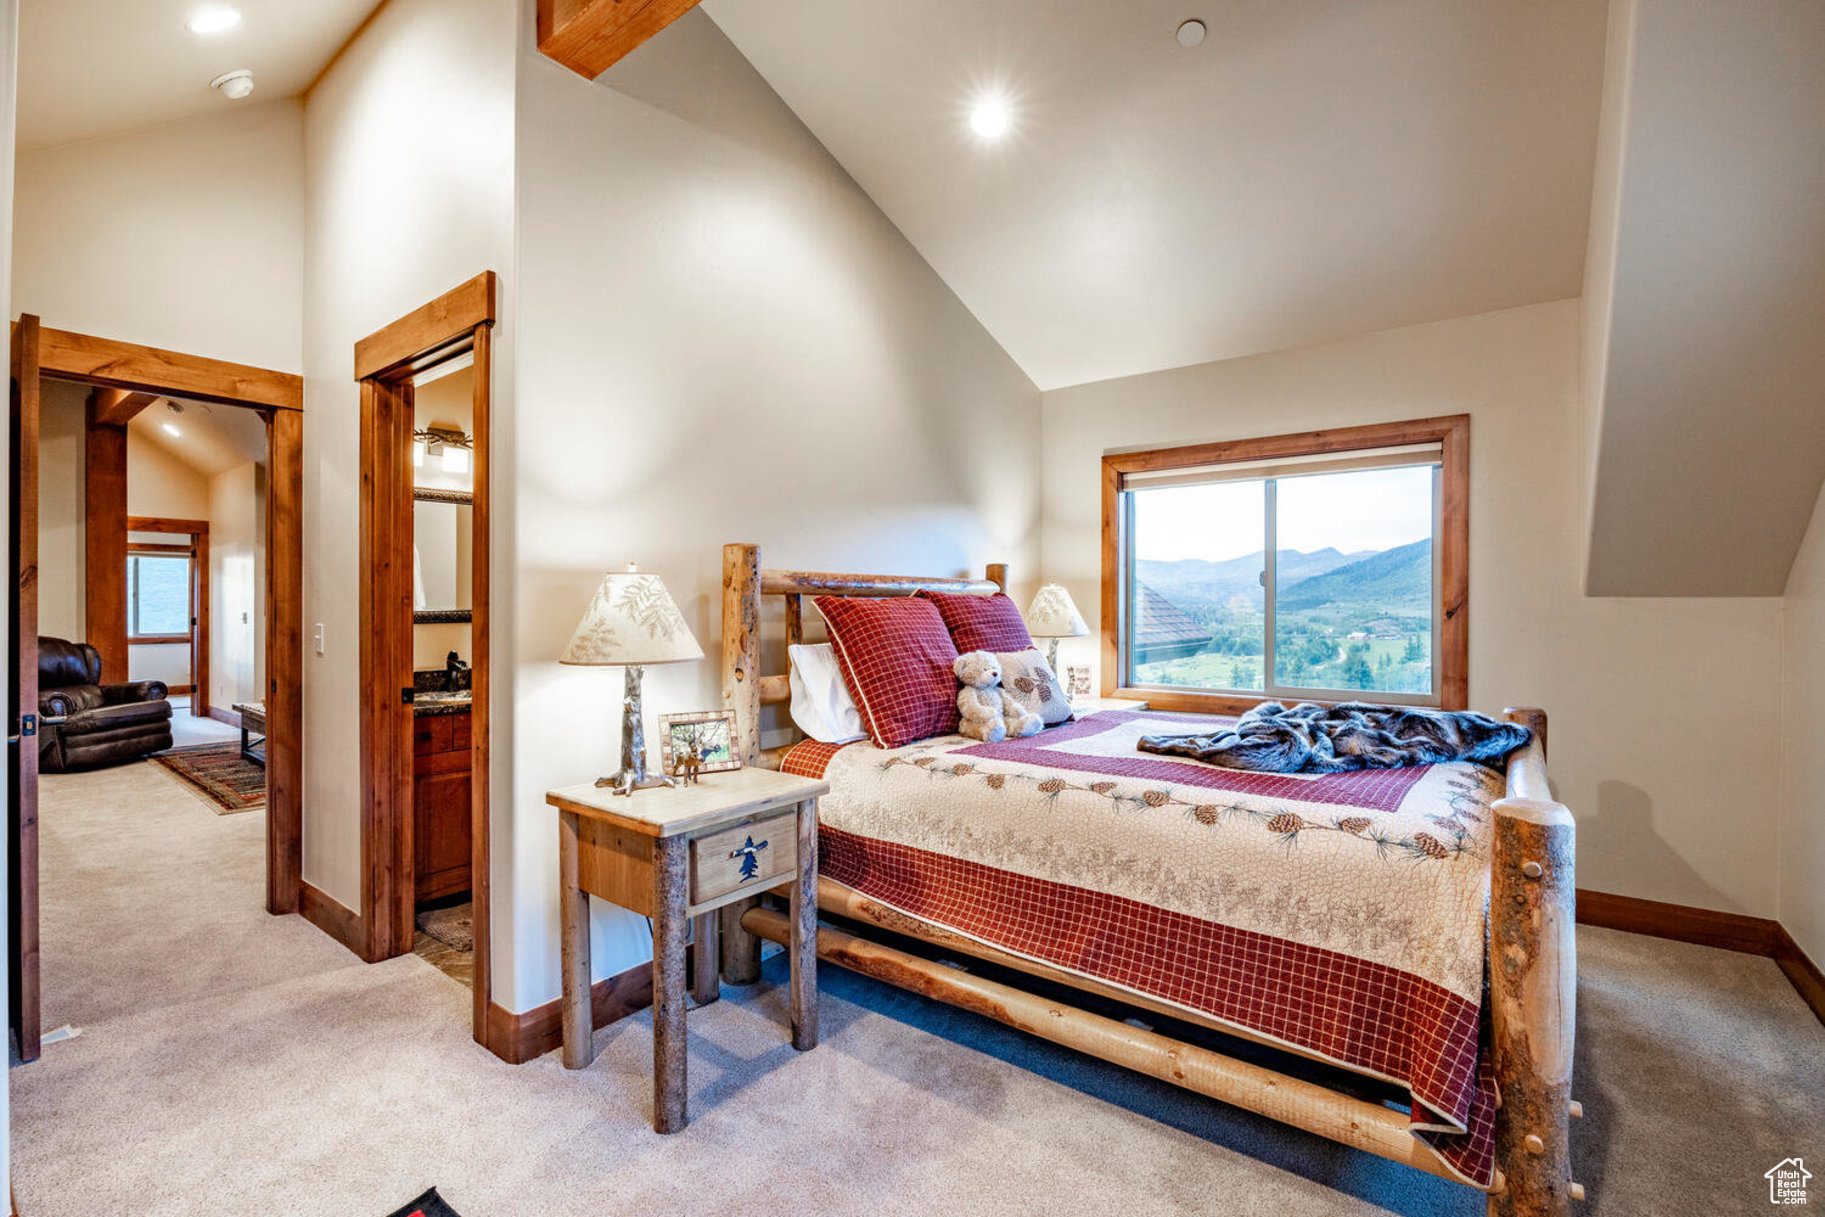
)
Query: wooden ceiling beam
[
  {"x": 116, "y": 407},
  {"x": 591, "y": 36}
]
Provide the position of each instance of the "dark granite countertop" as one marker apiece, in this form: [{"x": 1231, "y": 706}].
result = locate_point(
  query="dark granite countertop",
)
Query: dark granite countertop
[{"x": 435, "y": 680}]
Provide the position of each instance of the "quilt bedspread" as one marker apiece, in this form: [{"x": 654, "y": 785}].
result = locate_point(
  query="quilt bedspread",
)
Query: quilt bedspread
[{"x": 1341, "y": 914}]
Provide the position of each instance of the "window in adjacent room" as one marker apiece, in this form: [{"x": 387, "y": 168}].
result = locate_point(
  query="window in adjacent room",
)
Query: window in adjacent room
[
  {"x": 1327, "y": 566},
  {"x": 158, "y": 597}
]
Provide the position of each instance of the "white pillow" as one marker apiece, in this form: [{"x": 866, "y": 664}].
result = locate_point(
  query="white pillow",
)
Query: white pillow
[{"x": 821, "y": 704}]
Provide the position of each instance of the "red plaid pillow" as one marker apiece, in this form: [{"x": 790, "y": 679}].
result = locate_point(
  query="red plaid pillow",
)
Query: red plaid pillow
[
  {"x": 982, "y": 623},
  {"x": 896, "y": 658}
]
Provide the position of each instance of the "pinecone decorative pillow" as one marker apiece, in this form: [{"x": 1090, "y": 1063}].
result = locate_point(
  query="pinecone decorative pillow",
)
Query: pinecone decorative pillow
[{"x": 1035, "y": 686}]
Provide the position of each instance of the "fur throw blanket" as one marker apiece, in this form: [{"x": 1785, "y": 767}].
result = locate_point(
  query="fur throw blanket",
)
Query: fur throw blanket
[{"x": 1330, "y": 739}]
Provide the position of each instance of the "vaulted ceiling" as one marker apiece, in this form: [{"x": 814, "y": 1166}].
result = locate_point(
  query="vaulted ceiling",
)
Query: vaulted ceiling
[
  {"x": 90, "y": 68},
  {"x": 210, "y": 439},
  {"x": 1311, "y": 171}
]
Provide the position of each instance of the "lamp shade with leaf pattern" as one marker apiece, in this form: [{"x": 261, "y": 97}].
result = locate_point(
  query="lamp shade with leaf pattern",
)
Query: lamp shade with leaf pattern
[{"x": 631, "y": 621}]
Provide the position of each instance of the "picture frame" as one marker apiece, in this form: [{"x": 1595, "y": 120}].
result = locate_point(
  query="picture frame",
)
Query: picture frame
[
  {"x": 713, "y": 731},
  {"x": 1078, "y": 677}
]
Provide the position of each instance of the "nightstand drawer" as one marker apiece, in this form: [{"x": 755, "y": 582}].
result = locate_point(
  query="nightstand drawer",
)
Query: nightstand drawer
[{"x": 754, "y": 855}]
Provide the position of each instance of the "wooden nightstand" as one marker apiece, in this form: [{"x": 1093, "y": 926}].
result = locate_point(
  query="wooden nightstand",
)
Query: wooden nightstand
[
  {"x": 677, "y": 854},
  {"x": 1084, "y": 706}
]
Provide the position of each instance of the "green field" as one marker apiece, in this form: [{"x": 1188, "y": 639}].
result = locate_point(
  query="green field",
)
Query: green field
[
  {"x": 1377, "y": 665},
  {"x": 1359, "y": 622}
]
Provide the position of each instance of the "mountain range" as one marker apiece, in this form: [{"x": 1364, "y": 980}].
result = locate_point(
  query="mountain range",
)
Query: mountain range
[{"x": 1390, "y": 578}]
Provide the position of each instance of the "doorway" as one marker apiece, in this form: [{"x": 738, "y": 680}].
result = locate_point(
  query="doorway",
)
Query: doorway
[
  {"x": 425, "y": 470},
  {"x": 128, "y": 379},
  {"x": 167, "y": 599}
]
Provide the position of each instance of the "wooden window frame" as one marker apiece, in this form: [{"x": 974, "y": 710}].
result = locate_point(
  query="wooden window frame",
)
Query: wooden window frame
[
  {"x": 188, "y": 554},
  {"x": 1451, "y": 433},
  {"x": 198, "y": 637}
]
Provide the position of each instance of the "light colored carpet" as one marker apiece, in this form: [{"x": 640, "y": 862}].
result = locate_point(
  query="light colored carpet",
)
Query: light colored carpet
[
  {"x": 150, "y": 900},
  {"x": 235, "y": 1062},
  {"x": 187, "y": 730}
]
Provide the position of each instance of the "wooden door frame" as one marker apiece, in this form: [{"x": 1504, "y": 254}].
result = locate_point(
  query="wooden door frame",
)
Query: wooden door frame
[
  {"x": 198, "y": 550},
  {"x": 24, "y": 1014},
  {"x": 386, "y": 363},
  {"x": 106, "y": 363}
]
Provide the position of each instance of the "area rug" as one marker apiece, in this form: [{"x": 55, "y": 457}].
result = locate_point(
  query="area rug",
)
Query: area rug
[
  {"x": 453, "y": 926},
  {"x": 428, "y": 1205},
  {"x": 225, "y": 779}
]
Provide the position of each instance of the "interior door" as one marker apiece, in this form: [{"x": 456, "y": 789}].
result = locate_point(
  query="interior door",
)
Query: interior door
[{"x": 22, "y": 689}]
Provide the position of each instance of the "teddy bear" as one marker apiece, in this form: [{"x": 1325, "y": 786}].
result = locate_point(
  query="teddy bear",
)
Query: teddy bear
[{"x": 990, "y": 713}]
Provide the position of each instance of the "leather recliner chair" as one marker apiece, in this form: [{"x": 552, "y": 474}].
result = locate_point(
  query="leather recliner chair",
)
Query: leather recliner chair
[{"x": 103, "y": 724}]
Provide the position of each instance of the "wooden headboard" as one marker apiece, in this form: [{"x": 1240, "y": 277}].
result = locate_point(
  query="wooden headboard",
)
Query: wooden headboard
[{"x": 744, "y": 689}]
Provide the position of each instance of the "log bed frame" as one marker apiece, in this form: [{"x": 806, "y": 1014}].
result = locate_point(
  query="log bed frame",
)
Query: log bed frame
[{"x": 1532, "y": 968}]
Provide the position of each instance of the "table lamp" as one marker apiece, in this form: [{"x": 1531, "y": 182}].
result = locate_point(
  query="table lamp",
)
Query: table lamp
[
  {"x": 632, "y": 622},
  {"x": 1053, "y": 616}
]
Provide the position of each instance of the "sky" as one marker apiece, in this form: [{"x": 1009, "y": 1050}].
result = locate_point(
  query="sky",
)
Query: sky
[{"x": 1368, "y": 509}]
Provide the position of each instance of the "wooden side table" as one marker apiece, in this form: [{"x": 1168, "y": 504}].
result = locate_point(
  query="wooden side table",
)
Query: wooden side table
[
  {"x": 253, "y": 731},
  {"x": 677, "y": 854}
]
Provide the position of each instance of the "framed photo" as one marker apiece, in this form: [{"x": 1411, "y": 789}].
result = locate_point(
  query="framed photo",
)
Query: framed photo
[
  {"x": 709, "y": 733},
  {"x": 1078, "y": 674}
]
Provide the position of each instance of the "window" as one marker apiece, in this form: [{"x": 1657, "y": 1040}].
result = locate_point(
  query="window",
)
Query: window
[
  {"x": 1327, "y": 566},
  {"x": 158, "y": 596}
]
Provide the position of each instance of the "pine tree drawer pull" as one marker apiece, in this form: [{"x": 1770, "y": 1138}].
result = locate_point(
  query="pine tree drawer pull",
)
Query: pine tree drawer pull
[{"x": 747, "y": 856}]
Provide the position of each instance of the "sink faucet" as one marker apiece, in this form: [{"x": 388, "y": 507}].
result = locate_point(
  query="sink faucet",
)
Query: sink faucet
[{"x": 453, "y": 669}]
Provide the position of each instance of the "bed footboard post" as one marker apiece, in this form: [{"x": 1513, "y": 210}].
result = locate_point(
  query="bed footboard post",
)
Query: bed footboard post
[
  {"x": 1533, "y": 978},
  {"x": 741, "y": 693}
]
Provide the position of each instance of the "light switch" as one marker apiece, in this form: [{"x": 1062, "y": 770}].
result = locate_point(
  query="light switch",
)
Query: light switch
[{"x": 319, "y": 637}]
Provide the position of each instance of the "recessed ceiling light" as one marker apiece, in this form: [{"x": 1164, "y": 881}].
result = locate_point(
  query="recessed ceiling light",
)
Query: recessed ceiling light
[
  {"x": 170, "y": 429},
  {"x": 989, "y": 118},
  {"x": 213, "y": 19},
  {"x": 1191, "y": 33}
]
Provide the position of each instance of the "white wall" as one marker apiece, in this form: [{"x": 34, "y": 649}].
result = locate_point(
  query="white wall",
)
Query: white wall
[
  {"x": 166, "y": 661},
  {"x": 161, "y": 484},
  {"x": 188, "y": 236},
  {"x": 237, "y": 585},
  {"x": 1708, "y": 283},
  {"x": 1802, "y": 872},
  {"x": 408, "y": 145},
  {"x": 1659, "y": 708},
  {"x": 1606, "y": 219},
  {"x": 721, "y": 339}
]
